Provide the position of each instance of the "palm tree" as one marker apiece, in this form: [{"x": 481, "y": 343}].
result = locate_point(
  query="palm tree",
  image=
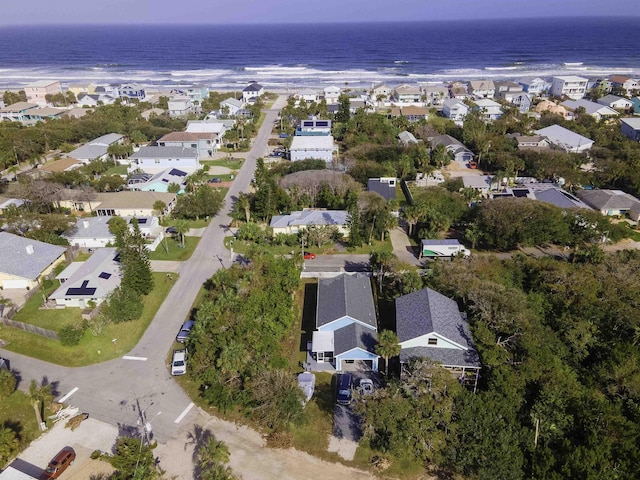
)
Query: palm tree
[
  {"x": 9, "y": 443},
  {"x": 40, "y": 395},
  {"x": 388, "y": 346},
  {"x": 182, "y": 227},
  {"x": 159, "y": 207},
  {"x": 212, "y": 455}
]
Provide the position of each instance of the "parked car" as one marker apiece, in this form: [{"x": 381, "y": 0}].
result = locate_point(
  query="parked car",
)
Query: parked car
[
  {"x": 276, "y": 154},
  {"x": 309, "y": 256},
  {"x": 344, "y": 384},
  {"x": 366, "y": 386},
  {"x": 179, "y": 362},
  {"x": 171, "y": 230},
  {"x": 473, "y": 164},
  {"x": 215, "y": 180},
  {"x": 59, "y": 463},
  {"x": 184, "y": 331}
]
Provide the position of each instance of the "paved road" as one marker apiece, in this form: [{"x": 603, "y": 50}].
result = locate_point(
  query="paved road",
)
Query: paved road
[{"x": 112, "y": 391}]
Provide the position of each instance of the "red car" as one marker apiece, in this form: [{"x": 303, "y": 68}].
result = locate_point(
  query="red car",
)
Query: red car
[{"x": 309, "y": 256}]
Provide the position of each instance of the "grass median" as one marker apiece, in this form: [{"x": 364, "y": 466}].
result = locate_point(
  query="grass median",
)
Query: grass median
[{"x": 92, "y": 349}]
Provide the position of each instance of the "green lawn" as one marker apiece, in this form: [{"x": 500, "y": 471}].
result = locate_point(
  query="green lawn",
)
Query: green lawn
[
  {"x": 233, "y": 164},
  {"x": 17, "y": 410},
  {"x": 173, "y": 250},
  {"x": 82, "y": 257},
  {"x": 51, "y": 319},
  {"x": 119, "y": 170},
  {"x": 91, "y": 349}
]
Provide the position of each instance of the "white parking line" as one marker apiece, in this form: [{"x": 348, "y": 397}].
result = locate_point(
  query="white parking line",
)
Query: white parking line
[
  {"x": 184, "y": 413},
  {"x": 68, "y": 395},
  {"x": 140, "y": 359}
]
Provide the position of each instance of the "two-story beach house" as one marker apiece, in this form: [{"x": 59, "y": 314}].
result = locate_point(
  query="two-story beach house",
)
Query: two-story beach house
[
  {"x": 569, "y": 86},
  {"x": 346, "y": 324},
  {"x": 156, "y": 159}
]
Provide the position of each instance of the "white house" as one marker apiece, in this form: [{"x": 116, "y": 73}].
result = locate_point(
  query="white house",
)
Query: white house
[
  {"x": 308, "y": 96},
  {"x": 96, "y": 149},
  {"x": 304, "y": 147},
  {"x": 93, "y": 232},
  {"x": 455, "y": 109},
  {"x": 89, "y": 281},
  {"x": 300, "y": 220},
  {"x": 435, "y": 94},
  {"x": 482, "y": 88},
  {"x": 332, "y": 94},
  {"x": 180, "y": 106},
  {"x": 535, "y": 86},
  {"x": 205, "y": 143},
  {"x": 627, "y": 83},
  {"x": 569, "y": 86},
  {"x": 94, "y": 99},
  {"x": 314, "y": 126},
  {"x": 566, "y": 139},
  {"x": 231, "y": 106},
  {"x": 611, "y": 202},
  {"x": 613, "y": 101},
  {"x": 489, "y": 109},
  {"x": 252, "y": 91},
  {"x": 346, "y": 324},
  {"x": 593, "y": 109},
  {"x": 408, "y": 95},
  {"x": 157, "y": 159}
]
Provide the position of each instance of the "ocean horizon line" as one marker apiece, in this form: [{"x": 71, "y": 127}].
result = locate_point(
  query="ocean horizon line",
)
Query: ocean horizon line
[{"x": 303, "y": 23}]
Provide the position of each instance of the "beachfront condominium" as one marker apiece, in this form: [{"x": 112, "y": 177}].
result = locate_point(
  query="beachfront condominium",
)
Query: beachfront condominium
[
  {"x": 570, "y": 86},
  {"x": 37, "y": 92}
]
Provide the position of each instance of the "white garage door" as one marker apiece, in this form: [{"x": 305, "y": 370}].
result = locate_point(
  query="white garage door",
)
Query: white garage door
[{"x": 15, "y": 284}]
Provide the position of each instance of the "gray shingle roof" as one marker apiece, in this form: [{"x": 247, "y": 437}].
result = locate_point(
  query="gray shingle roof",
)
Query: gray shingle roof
[
  {"x": 427, "y": 311},
  {"x": 165, "y": 152},
  {"x": 95, "y": 278},
  {"x": 608, "y": 199},
  {"x": 382, "y": 187},
  {"x": 15, "y": 259},
  {"x": 345, "y": 295},
  {"x": 310, "y": 217},
  {"x": 354, "y": 336}
]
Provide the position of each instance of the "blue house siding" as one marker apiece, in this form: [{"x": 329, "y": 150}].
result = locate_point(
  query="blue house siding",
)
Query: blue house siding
[
  {"x": 356, "y": 354},
  {"x": 339, "y": 323}
]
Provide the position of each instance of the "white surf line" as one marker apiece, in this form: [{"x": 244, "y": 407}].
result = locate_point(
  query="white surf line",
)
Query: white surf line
[
  {"x": 140, "y": 359},
  {"x": 184, "y": 413},
  {"x": 68, "y": 395}
]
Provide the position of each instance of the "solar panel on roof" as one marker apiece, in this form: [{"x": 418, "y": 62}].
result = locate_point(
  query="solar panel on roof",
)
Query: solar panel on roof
[
  {"x": 177, "y": 173},
  {"x": 520, "y": 192},
  {"x": 322, "y": 123},
  {"x": 105, "y": 275},
  {"x": 307, "y": 124},
  {"x": 142, "y": 221},
  {"x": 165, "y": 180},
  {"x": 82, "y": 290}
]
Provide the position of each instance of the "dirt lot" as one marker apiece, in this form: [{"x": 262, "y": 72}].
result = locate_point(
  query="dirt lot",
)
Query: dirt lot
[
  {"x": 89, "y": 436},
  {"x": 459, "y": 169}
]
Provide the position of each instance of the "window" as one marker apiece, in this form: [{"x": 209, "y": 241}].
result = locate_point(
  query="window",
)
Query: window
[{"x": 432, "y": 341}]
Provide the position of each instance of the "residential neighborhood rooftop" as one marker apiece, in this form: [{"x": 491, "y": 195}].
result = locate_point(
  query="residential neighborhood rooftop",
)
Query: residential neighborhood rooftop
[
  {"x": 24, "y": 257},
  {"x": 345, "y": 296}
]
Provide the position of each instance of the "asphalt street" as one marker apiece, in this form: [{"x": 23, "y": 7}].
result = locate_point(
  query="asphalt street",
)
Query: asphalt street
[{"x": 113, "y": 391}]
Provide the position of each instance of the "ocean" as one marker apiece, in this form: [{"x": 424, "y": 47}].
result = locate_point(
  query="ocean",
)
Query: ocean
[{"x": 286, "y": 57}]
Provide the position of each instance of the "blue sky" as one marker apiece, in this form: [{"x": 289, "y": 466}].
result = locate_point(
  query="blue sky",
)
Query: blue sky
[{"x": 22, "y": 12}]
